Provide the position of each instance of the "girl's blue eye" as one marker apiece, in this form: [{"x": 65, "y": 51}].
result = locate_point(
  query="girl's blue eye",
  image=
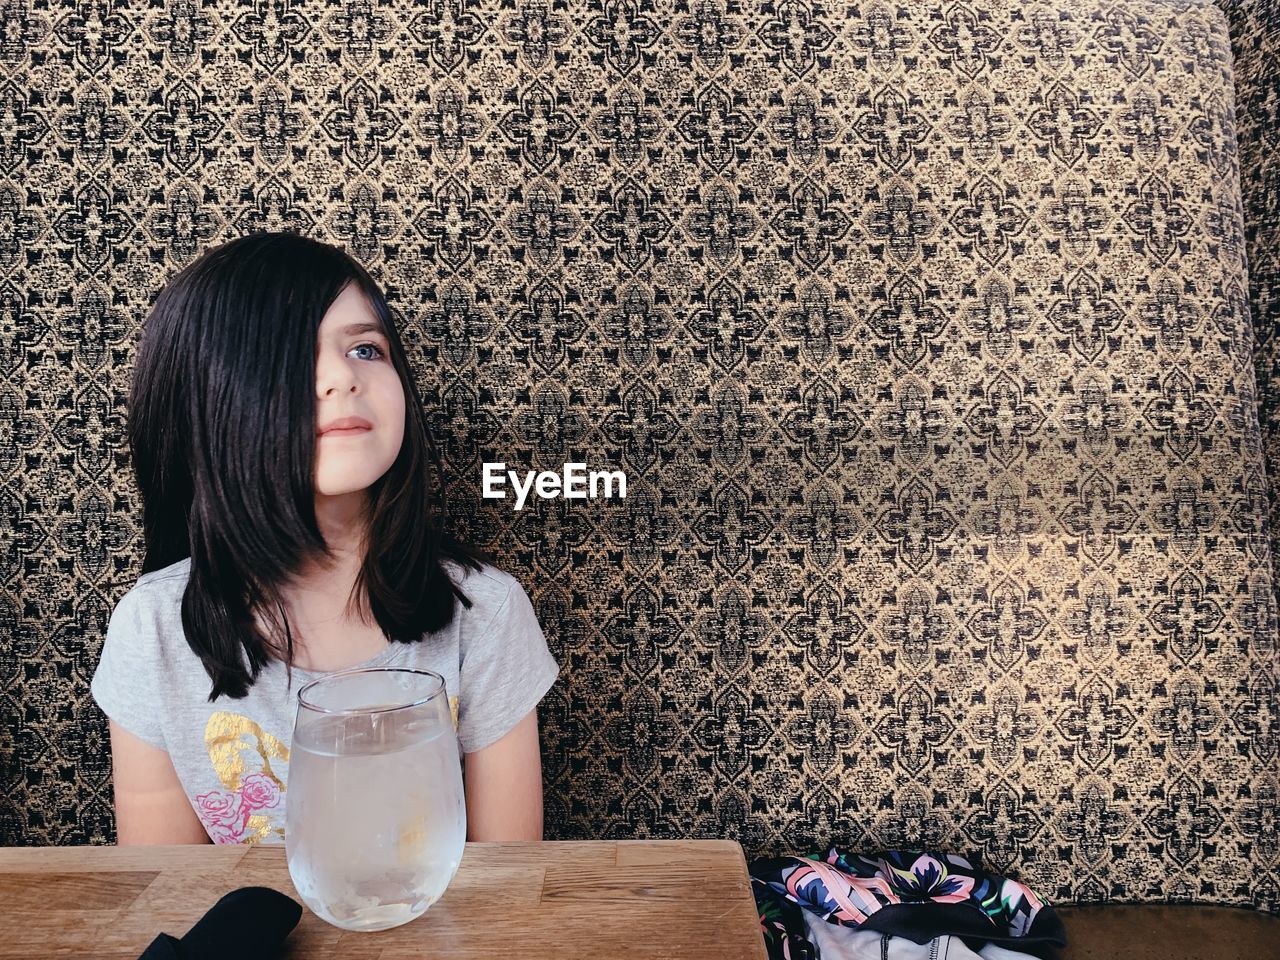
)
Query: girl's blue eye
[{"x": 372, "y": 346}]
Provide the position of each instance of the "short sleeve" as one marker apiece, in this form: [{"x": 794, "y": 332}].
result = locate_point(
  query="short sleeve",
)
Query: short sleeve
[
  {"x": 123, "y": 685},
  {"x": 504, "y": 673}
]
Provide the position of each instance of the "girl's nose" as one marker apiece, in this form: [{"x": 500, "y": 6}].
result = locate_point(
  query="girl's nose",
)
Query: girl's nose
[{"x": 334, "y": 375}]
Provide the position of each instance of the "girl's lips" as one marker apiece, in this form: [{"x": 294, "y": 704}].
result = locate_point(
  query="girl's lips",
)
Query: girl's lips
[{"x": 347, "y": 432}]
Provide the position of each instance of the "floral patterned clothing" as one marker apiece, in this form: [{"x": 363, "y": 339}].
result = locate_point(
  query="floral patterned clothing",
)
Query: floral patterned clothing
[{"x": 918, "y": 895}]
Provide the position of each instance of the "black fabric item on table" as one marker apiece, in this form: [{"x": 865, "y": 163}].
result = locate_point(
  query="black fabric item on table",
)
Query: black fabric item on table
[{"x": 248, "y": 924}]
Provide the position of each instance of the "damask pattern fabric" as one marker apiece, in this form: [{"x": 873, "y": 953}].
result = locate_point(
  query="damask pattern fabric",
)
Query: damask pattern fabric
[
  {"x": 1255, "y": 42},
  {"x": 920, "y": 330}
]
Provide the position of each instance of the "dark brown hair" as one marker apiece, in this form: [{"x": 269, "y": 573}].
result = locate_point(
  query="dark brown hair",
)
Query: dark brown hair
[{"x": 222, "y": 418}]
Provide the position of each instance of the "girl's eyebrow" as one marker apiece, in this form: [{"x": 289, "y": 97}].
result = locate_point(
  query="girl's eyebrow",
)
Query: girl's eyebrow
[{"x": 355, "y": 329}]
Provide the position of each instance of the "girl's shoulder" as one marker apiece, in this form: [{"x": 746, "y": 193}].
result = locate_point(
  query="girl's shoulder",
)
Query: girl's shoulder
[
  {"x": 153, "y": 605},
  {"x": 156, "y": 597},
  {"x": 500, "y": 605},
  {"x": 146, "y": 665},
  {"x": 167, "y": 578},
  {"x": 460, "y": 573},
  {"x": 487, "y": 588}
]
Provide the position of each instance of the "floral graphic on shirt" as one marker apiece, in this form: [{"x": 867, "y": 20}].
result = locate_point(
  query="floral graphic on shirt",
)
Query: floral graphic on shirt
[{"x": 251, "y": 807}]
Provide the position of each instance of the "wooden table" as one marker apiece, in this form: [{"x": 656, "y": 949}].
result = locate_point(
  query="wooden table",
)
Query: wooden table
[{"x": 616, "y": 900}]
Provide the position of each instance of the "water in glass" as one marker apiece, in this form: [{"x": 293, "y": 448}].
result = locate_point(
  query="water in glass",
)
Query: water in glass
[{"x": 375, "y": 816}]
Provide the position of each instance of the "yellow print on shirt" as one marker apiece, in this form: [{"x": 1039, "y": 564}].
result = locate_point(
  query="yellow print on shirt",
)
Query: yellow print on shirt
[{"x": 251, "y": 806}]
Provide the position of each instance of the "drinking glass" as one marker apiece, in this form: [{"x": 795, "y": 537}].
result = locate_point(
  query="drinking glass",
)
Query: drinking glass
[{"x": 375, "y": 818}]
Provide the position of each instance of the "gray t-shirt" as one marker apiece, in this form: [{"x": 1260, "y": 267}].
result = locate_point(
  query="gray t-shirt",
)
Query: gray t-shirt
[{"x": 232, "y": 756}]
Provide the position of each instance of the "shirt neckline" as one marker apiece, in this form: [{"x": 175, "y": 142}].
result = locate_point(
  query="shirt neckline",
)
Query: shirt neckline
[{"x": 393, "y": 650}]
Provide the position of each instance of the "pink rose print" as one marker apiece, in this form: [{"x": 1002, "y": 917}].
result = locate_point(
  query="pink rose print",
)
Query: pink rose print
[
  {"x": 258, "y": 792},
  {"x": 216, "y": 805},
  {"x": 226, "y": 815},
  {"x": 223, "y": 815}
]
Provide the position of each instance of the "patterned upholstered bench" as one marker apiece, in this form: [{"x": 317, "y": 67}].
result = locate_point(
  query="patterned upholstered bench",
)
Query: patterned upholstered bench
[{"x": 935, "y": 340}]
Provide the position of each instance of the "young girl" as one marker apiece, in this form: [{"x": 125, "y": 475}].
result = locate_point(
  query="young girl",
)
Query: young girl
[{"x": 284, "y": 466}]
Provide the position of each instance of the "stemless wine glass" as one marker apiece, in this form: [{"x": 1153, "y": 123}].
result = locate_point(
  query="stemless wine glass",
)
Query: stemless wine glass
[{"x": 375, "y": 819}]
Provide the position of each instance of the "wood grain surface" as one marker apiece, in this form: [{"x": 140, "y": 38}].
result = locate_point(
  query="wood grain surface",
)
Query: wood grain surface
[{"x": 659, "y": 900}]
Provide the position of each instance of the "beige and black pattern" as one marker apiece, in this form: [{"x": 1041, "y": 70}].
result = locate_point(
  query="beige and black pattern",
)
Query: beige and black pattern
[
  {"x": 1255, "y": 41},
  {"x": 920, "y": 330}
]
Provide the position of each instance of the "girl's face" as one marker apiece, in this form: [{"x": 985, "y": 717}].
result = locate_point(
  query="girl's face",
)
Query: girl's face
[{"x": 355, "y": 379}]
